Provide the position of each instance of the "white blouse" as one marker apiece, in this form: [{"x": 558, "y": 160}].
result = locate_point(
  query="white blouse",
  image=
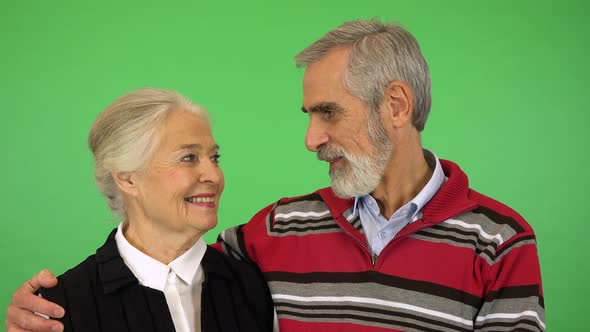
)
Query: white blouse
[{"x": 181, "y": 280}]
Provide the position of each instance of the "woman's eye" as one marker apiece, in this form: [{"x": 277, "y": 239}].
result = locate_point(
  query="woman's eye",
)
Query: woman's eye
[
  {"x": 215, "y": 159},
  {"x": 189, "y": 158}
]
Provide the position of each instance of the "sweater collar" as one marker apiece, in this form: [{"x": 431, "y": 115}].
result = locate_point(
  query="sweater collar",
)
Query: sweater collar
[{"x": 451, "y": 199}]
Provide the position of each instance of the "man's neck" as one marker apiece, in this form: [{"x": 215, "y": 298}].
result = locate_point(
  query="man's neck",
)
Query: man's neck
[{"x": 406, "y": 174}]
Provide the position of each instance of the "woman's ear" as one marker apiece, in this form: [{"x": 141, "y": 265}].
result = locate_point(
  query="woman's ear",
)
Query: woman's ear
[
  {"x": 126, "y": 181},
  {"x": 399, "y": 102}
]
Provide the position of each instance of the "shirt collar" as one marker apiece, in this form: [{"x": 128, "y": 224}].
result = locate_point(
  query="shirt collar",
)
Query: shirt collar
[
  {"x": 186, "y": 265},
  {"x": 425, "y": 195},
  {"x": 152, "y": 273},
  {"x": 436, "y": 181}
]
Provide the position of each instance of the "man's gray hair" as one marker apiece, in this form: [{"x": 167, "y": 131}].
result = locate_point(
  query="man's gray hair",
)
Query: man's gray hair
[
  {"x": 125, "y": 134},
  {"x": 380, "y": 53}
]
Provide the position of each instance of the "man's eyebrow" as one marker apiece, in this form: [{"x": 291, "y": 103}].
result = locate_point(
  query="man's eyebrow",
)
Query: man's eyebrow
[{"x": 323, "y": 107}]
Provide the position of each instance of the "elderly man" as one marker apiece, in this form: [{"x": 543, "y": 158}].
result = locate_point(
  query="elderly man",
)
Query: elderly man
[{"x": 399, "y": 241}]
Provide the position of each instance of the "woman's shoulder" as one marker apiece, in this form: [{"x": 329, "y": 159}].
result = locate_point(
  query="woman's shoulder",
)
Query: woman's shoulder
[
  {"x": 84, "y": 277},
  {"x": 241, "y": 274},
  {"x": 86, "y": 270},
  {"x": 80, "y": 276},
  {"x": 231, "y": 282}
]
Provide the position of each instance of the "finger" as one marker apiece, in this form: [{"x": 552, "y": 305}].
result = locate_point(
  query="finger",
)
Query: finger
[
  {"x": 25, "y": 301},
  {"x": 25, "y": 320},
  {"x": 42, "y": 279},
  {"x": 24, "y": 297},
  {"x": 14, "y": 328}
]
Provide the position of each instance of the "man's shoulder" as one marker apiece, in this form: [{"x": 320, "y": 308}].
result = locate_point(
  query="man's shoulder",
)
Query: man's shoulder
[
  {"x": 316, "y": 195},
  {"x": 322, "y": 201},
  {"x": 307, "y": 201},
  {"x": 491, "y": 228},
  {"x": 497, "y": 227},
  {"x": 499, "y": 213},
  {"x": 323, "y": 197},
  {"x": 489, "y": 213}
]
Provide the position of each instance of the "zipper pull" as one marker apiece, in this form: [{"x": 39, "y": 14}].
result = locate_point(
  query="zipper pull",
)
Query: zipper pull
[{"x": 374, "y": 259}]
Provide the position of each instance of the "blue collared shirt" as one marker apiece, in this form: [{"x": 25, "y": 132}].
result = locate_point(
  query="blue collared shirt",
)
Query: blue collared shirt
[{"x": 380, "y": 231}]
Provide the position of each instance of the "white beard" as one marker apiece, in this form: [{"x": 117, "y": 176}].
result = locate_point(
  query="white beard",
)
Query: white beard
[
  {"x": 356, "y": 175},
  {"x": 360, "y": 175}
]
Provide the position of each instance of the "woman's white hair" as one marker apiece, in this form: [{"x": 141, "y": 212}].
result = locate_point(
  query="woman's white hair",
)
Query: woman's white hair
[
  {"x": 125, "y": 134},
  {"x": 380, "y": 53}
]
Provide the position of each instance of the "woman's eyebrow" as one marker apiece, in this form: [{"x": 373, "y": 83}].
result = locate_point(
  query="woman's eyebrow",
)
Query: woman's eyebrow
[
  {"x": 192, "y": 146},
  {"x": 195, "y": 146}
]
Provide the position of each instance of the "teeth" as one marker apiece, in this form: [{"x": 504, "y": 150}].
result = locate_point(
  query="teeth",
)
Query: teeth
[{"x": 200, "y": 199}]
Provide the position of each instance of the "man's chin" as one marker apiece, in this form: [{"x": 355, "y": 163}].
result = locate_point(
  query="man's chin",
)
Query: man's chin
[
  {"x": 344, "y": 194},
  {"x": 347, "y": 192}
]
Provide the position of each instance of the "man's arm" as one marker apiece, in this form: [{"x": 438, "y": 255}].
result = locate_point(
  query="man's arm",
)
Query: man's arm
[
  {"x": 20, "y": 314},
  {"x": 231, "y": 243},
  {"x": 234, "y": 243},
  {"x": 514, "y": 295}
]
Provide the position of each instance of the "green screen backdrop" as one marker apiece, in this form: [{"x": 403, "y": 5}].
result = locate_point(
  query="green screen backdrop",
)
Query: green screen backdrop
[{"x": 510, "y": 105}]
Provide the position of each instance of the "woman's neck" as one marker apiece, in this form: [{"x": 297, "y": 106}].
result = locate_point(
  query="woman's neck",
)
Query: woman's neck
[{"x": 160, "y": 243}]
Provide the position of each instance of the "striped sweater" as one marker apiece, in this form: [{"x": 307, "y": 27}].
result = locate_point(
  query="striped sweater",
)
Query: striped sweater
[{"x": 469, "y": 264}]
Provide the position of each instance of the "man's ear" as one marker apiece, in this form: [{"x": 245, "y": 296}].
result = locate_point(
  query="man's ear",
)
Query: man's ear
[
  {"x": 126, "y": 181},
  {"x": 398, "y": 101}
]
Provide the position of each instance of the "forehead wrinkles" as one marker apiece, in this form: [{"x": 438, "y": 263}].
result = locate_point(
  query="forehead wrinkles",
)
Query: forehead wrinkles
[
  {"x": 185, "y": 129},
  {"x": 327, "y": 74}
]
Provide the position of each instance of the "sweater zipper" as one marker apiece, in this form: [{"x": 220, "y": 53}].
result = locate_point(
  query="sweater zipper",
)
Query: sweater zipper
[{"x": 363, "y": 246}]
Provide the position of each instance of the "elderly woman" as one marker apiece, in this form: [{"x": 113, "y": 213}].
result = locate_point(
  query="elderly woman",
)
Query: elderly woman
[{"x": 157, "y": 165}]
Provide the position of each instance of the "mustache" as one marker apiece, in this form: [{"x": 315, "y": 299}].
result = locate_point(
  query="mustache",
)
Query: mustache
[{"x": 330, "y": 152}]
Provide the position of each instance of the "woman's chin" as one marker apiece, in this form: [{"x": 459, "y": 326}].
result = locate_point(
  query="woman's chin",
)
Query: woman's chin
[{"x": 203, "y": 225}]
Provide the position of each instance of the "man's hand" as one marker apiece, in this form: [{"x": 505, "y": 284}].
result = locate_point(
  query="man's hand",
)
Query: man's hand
[{"x": 20, "y": 315}]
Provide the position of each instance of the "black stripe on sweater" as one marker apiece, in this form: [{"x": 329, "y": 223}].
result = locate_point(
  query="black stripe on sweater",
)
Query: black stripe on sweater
[
  {"x": 389, "y": 322},
  {"x": 472, "y": 242},
  {"x": 305, "y": 229},
  {"x": 499, "y": 218},
  {"x": 310, "y": 197},
  {"x": 525, "y": 321},
  {"x": 303, "y": 221},
  {"x": 390, "y": 313},
  {"x": 242, "y": 242},
  {"x": 513, "y": 243},
  {"x": 379, "y": 278},
  {"x": 516, "y": 292},
  {"x": 451, "y": 238},
  {"x": 474, "y": 234}
]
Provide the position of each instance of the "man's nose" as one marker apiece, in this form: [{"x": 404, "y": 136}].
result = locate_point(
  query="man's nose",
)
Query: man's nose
[{"x": 316, "y": 135}]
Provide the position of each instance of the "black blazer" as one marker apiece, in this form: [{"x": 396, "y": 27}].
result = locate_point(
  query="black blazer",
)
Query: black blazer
[{"x": 102, "y": 294}]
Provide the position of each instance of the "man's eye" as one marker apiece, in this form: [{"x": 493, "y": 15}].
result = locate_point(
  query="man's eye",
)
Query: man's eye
[
  {"x": 189, "y": 158},
  {"x": 327, "y": 114},
  {"x": 215, "y": 159}
]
